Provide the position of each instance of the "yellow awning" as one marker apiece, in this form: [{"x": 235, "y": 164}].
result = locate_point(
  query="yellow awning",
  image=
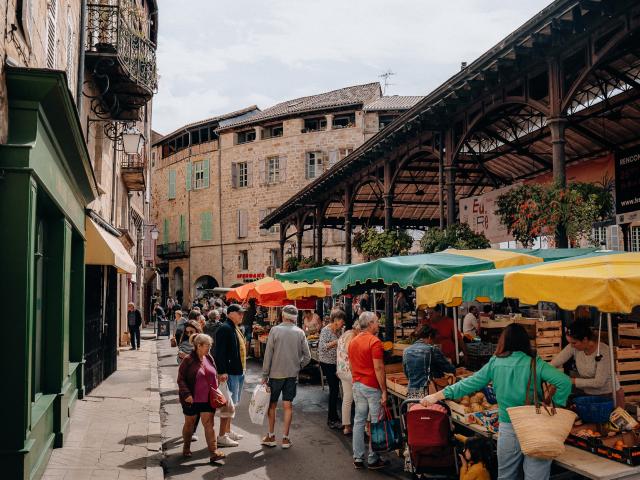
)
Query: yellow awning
[
  {"x": 105, "y": 249},
  {"x": 611, "y": 283},
  {"x": 500, "y": 258}
]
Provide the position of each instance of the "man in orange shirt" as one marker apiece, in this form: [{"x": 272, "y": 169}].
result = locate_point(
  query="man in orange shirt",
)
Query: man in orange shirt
[{"x": 369, "y": 386}]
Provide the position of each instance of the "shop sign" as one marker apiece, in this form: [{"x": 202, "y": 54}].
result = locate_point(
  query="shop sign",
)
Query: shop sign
[
  {"x": 627, "y": 166},
  {"x": 479, "y": 213},
  {"x": 250, "y": 276}
]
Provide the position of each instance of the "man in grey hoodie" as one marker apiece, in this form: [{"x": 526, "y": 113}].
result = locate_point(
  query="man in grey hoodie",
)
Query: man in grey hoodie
[{"x": 286, "y": 353}]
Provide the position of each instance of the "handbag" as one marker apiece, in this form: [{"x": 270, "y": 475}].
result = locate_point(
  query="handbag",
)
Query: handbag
[
  {"x": 540, "y": 429},
  {"x": 216, "y": 397},
  {"x": 386, "y": 434}
]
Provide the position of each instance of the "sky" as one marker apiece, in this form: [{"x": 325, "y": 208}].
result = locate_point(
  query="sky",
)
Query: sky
[{"x": 217, "y": 56}]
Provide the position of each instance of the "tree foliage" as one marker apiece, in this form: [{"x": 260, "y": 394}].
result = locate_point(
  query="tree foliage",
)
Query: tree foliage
[
  {"x": 458, "y": 235},
  {"x": 291, "y": 264},
  {"x": 373, "y": 244},
  {"x": 529, "y": 211}
]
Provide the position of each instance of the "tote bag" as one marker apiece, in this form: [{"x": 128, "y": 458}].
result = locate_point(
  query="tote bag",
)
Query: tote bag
[
  {"x": 386, "y": 434},
  {"x": 541, "y": 430}
]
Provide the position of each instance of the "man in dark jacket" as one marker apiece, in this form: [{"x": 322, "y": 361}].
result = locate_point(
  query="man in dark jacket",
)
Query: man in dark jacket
[
  {"x": 230, "y": 356},
  {"x": 134, "y": 321}
]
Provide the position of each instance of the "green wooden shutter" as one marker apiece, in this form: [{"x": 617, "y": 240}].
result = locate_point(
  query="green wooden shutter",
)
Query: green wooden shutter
[
  {"x": 172, "y": 184},
  {"x": 165, "y": 232},
  {"x": 187, "y": 176},
  {"x": 183, "y": 232},
  {"x": 205, "y": 178},
  {"x": 206, "y": 226}
]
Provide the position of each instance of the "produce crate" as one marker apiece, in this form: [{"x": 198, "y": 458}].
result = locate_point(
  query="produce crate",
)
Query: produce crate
[
  {"x": 398, "y": 348},
  {"x": 393, "y": 368},
  {"x": 628, "y": 371},
  {"x": 628, "y": 335},
  {"x": 604, "y": 446},
  {"x": 397, "y": 382}
]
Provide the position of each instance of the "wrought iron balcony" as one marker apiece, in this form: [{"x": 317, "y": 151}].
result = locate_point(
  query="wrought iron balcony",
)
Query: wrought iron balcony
[
  {"x": 173, "y": 250},
  {"x": 132, "y": 172},
  {"x": 123, "y": 62}
]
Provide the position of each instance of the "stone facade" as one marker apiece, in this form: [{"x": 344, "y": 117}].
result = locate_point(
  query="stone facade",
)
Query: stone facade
[{"x": 242, "y": 189}]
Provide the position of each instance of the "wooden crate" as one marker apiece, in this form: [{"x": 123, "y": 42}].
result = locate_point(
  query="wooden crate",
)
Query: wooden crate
[
  {"x": 628, "y": 335},
  {"x": 397, "y": 382},
  {"x": 393, "y": 368},
  {"x": 628, "y": 371},
  {"x": 398, "y": 348}
]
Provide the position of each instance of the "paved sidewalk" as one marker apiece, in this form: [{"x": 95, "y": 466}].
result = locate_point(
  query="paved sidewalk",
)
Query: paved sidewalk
[{"x": 115, "y": 431}]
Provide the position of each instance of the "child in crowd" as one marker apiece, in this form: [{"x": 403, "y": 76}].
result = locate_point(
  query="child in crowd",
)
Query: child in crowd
[{"x": 476, "y": 458}]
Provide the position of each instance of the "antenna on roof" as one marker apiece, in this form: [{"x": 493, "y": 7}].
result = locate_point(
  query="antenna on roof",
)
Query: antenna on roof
[{"x": 386, "y": 76}]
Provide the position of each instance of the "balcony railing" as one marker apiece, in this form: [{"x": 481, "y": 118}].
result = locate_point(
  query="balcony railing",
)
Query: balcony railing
[
  {"x": 122, "y": 59},
  {"x": 132, "y": 172},
  {"x": 173, "y": 250}
]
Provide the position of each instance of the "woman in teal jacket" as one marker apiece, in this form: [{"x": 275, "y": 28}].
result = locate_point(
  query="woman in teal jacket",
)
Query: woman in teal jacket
[{"x": 509, "y": 370}]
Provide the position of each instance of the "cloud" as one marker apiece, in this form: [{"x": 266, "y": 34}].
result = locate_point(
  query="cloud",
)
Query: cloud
[{"x": 218, "y": 56}]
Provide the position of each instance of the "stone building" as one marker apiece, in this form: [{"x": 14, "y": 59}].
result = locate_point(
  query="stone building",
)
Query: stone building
[
  {"x": 74, "y": 116},
  {"x": 213, "y": 181}
]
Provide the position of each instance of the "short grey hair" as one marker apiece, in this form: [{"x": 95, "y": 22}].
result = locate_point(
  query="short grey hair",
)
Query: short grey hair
[
  {"x": 365, "y": 319},
  {"x": 290, "y": 312},
  {"x": 198, "y": 339}
]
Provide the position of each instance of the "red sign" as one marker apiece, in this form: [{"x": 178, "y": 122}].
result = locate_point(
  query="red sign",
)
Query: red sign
[{"x": 244, "y": 276}]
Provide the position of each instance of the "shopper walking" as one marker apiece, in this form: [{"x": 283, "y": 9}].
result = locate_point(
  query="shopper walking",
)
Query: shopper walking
[
  {"x": 510, "y": 371},
  {"x": 343, "y": 371},
  {"x": 213, "y": 323},
  {"x": 327, "y": 355},
  {"x": 369, "y": 386},
  {"x": 230, "y": 354},
  {"x": 196, "y": 376},
  {"x": 286, "y": 353},
  {"x": 134, "y": 321}
]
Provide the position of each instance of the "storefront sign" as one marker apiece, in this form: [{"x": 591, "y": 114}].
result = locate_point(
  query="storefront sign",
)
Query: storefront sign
[
  {"x": 479, "y": 213},
  {"x": 250, "y": 276},
  {"x": 628, "y": 181}
]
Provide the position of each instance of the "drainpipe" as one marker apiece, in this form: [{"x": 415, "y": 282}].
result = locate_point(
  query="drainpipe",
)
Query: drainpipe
[
  {"x": 113, "y": 183},
  {"x": 220, "y": 208},
  {"x": 81, "y": 50}
]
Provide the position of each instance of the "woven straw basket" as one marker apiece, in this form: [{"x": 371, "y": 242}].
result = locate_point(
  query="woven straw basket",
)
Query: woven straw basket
[{"x": 541, "y": 434}]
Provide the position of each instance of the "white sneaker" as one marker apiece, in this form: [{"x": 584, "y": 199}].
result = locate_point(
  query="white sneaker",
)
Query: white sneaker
[
  {"x": 194, "y": 438},
  {"x": 235, "y": 436},
  {"x": 225, "y": 441}
]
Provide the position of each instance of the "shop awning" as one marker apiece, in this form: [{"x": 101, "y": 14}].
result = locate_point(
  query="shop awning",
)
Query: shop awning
[
  {"x": 312, "y": 275},
  {"x": 105, "y": 249},
  {"x": 490, "y": 285},
  {"x": 416, "y": 270}
]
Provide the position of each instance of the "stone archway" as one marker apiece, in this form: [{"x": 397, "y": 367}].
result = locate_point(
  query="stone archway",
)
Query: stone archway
[
  {"x": 204, "y": 282},
  {"x": 178, "y": 284}
]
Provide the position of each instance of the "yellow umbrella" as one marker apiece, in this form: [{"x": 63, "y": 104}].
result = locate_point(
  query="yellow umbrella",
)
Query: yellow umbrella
[
  {"x": 611, "y": 283},
  {"x": 296, "y": 291}
]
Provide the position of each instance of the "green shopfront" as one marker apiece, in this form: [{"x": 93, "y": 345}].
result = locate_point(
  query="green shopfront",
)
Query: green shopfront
[{"x": 46, "y": 182}]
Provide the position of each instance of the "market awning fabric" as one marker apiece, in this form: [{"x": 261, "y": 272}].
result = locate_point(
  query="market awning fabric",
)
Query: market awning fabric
[
  {"x": 611, "y": 283},
  {"x": 105, "y": 249},
  {"x": 486, "y": 286},
  {"x": 416, "y": 270},
  {"x": 270, "y": 292},
  {"x": 311, "y": 275}
]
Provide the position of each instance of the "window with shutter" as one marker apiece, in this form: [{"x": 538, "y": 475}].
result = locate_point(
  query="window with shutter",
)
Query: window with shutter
[
  {"x": 314, "y": 163},
  {"x": 273, "y": 170},
  {"x": 262, "y": 172},
  {"x": 242, "y": 223},
  {"x": 187, "y": 176},
  {"x": 249, "y": 174},
  {"x": 234, "y": 175},
  {"x": 165, "y": 231},
  {"x": 183, "y": 229},
  {"x": 70, "y": 54},
  {"x": 333, "y": 157},
  {"x": 52, "y": 12},
  {"x": 206, "y": 224},
  {"x": 261, "y": 215},
  {"x": 172, "y": 185},
  {"x": 205, "y": 174}
]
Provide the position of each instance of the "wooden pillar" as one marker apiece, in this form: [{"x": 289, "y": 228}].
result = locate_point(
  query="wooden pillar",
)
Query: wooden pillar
[
  {"x": 283, "y": 240},
  {"x": 318, "y": 216},
  {"x": 388, "y": 225},
  {"x": 299, "y": 234},
  {"x": 348, "y": 212},
  {"x": 450, "y": 178},
  {"x": 557, "y": 127},
  {"x": 441, "y": 179}
]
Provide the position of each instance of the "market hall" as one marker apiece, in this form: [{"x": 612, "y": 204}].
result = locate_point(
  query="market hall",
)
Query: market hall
[{"x": 556, "y": 100}]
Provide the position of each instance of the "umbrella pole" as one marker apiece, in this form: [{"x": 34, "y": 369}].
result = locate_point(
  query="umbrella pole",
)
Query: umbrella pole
[
  {"x": 611, "y": 359},
  {"x": 455, "y": 334}
]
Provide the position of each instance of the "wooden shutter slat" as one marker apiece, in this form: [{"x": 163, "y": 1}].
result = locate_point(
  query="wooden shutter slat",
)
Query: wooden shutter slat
[{"x": 205, "y": 178}]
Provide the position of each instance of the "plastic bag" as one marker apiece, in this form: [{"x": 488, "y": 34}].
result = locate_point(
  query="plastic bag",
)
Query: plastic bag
[
  {"x": 259, "y": 404},
  {"x": 386, "y": 434}
]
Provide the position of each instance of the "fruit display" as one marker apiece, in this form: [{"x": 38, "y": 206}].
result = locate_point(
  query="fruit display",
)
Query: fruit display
[{"x": 476, "y": 403}]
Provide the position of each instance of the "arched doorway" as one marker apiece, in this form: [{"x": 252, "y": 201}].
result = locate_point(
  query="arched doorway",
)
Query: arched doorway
[
  {"x": 204, "y": 283},
  {"x": 178, "y": 284}
]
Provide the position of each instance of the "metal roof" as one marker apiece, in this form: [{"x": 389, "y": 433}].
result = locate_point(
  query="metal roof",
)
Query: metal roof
[
  {"x": 343, "y": 97},
  {"x": 392, "y": 102},
  {"x": 218, "y": 118}
]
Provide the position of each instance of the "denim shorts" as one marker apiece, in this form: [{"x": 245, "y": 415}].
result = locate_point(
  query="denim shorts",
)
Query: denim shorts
[{"x": 286, "y": 386}]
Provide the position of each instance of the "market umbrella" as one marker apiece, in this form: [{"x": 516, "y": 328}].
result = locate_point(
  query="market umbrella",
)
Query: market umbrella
[
  {"x": 312, "y": 275},
  {"x": 276, "y": 292},
  {"x": 416, "y": 270},
  {"x": 485, "y": 286},
  {"x": 244, "y": 292}
]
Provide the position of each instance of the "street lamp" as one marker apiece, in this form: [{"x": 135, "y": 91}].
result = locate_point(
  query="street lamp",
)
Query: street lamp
[
  {"x": 132, "y": 140},
  {"x": 154, "y": 233}
]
